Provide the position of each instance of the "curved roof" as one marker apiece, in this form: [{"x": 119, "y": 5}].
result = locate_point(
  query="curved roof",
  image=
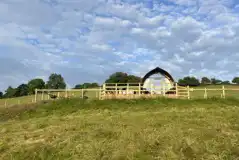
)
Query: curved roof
[{"x": 158, "y": 70}]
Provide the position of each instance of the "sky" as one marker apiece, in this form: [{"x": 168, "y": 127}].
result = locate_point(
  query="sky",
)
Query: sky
[{"x": 87, "y": 40}]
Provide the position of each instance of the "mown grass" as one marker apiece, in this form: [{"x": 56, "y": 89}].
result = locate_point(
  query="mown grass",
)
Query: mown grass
[{"x": 121, "y": 129}]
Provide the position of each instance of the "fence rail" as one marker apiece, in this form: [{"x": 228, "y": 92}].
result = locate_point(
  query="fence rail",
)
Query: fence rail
[
  {"x": 130, "y": 90},
  {"x": 6, "y": 102}
]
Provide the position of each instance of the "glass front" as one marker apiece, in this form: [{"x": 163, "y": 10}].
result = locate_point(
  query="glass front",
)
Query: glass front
[{"x": 158, "y": 84}]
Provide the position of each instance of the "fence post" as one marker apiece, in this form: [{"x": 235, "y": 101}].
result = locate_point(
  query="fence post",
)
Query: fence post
[
  {"x": 116, "y": 88},
  {"x": 176, "y": 90},
  {"x": 127, "y": 89},
  {"x": 188, "y": 92},
  {"x": 96, "y": 94},
  {"x": 104, "y": 90},
  {"x": 139, "y": 89},
  {"x": 82, "y": 93},
  {"x": 223, "y": 92},
  {"x": 58, "y": 95},
  {"x": 205, "y": 93},
  {"x": 100, "y": 93},
  {"x": 151, "y": 89},
  {"x": 42, "y": 95},
  {"x": 35, "y": 95}
]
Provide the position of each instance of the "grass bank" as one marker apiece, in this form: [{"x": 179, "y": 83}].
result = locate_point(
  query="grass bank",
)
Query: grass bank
[{"x": 128, "y": 129}]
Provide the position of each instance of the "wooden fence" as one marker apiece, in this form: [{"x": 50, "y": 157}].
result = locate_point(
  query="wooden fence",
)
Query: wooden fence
[
  {"x": 125, "y": 91},
  {"x": 135, "y": 90},
  {"x": 218, "y": 92}
]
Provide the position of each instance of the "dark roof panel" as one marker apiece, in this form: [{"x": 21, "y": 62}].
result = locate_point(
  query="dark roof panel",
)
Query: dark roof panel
[{"x": 155, "y": 71}]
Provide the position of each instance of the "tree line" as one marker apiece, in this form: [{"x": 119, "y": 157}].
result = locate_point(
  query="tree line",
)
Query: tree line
[
  {"x": 192, "y": 81},
  {"x": 56, "y": 81},
  {"x": 120, "y": 77}
]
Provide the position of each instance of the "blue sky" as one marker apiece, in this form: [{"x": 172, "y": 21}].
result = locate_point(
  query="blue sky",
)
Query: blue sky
[{"x": 87, "y": 40}]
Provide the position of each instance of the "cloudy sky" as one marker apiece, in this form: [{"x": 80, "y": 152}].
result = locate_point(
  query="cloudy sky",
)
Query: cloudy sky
[{"x": 87, "y": 40}]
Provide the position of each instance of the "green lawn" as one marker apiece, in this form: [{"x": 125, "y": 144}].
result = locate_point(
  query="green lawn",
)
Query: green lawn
[{"x": 115, "y": 130}]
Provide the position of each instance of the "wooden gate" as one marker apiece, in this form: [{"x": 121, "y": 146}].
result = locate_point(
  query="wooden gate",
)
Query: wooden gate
[{"x": 183, "y": 92}]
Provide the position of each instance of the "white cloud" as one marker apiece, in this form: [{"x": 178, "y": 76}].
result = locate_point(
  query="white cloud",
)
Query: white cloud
[
  {"x": 184, "y": 2},
  {"x": 22, "y": 12},
  {"x": 88, "y": 40}
]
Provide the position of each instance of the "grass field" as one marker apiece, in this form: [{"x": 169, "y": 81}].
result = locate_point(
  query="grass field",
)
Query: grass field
[
  {"x": 118, "y": 130},
  {"x": 16, "y": 101},
  {"x": 30, "y": 99},
  {"x": 216, "y": 94}
]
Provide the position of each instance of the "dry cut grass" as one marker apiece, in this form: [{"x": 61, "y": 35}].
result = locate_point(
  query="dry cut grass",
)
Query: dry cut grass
[{"x": 121, "y": 129}]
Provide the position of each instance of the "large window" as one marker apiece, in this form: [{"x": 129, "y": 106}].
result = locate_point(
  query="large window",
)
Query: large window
[{"x": 157, "y": 82}]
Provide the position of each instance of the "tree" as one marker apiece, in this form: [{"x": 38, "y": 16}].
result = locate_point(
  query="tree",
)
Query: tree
[
  {"x": 134, "y": 79},
  {"x": 56, "y": 81},
  {"x": 86, "y": 85},
  {"x": 94, "y": 85},
  {"x": 235, "y": 80},
  {"x": 35, "y": 84},
  {"x": 78, "y": 86},
  {"x": 22, "y": 90},
  {"x": 10, "y": 92},
  {"x": 118, "y": 77},
  {"x": 188, "y": 81},
  {"x": 215, "y": 81},
  {"x": 1, "y": 95},
  {"x": 205, "y": 80},
  {"x": 226, "y": 82}
]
